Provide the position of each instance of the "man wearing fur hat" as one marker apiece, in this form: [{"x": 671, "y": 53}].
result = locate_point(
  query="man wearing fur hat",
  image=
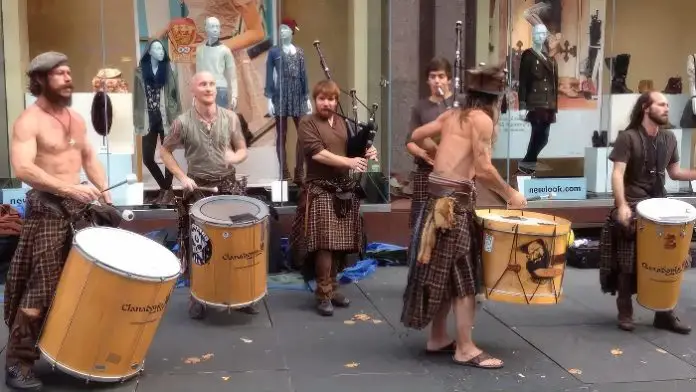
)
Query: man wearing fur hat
[{"x": 444, "y": 264}]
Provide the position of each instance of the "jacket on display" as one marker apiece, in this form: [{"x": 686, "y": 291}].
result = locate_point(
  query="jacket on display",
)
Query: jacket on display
[
  {"x": 170, "y": 105},
  {"x": 538, "y": 82}
]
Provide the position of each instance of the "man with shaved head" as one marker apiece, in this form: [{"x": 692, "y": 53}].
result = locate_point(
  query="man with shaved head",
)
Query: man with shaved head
[{"x": 212, "y": 139}]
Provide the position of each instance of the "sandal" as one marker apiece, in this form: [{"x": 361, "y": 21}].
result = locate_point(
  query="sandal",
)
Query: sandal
[
  {"x": 477, "y": 360},
  {"x": 448, "y": 349}
]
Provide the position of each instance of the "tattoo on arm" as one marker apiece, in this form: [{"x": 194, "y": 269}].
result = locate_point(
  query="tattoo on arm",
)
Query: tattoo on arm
[{"x": 173, "y": 141}]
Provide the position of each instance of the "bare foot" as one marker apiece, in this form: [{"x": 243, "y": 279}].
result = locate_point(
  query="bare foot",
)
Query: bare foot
[{"x": 477, "y": 358}]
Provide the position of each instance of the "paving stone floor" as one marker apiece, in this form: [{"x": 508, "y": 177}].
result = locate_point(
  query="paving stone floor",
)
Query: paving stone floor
[{"x": 565, "y": 347}]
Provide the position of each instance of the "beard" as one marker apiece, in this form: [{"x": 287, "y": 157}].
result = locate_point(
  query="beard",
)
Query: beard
[
  {"x": 657, "y": 119},
  {"x": 324, "y": 113},
  {"x": 55, "y": 98}
]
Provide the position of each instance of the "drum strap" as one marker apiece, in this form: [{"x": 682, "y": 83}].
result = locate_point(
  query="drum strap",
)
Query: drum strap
[{"x": 655, "y": 167}]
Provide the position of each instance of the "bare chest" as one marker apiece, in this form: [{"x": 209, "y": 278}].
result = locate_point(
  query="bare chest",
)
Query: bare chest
[{"x": 55, "y": 139}]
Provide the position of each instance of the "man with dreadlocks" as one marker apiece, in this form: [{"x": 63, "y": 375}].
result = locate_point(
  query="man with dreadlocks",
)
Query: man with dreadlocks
[
  {"x": 213, "y": 140},
  {"x": 444, "y": 261},
  {"x": 641, "y": 155}
]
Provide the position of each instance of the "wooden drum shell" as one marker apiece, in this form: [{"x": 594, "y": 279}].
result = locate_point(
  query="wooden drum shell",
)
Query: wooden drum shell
[
  {"x": 507, "y": 248},
  {"x": 101, "y": 323},
  {"x": 237, "y": 273},
  {"x": 662, "y": 252}
]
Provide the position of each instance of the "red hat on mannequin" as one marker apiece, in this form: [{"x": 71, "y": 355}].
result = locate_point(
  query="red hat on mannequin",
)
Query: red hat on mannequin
[{"x": 291, "y": 23}]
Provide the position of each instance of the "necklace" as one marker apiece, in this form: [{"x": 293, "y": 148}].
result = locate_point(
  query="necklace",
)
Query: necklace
[
  {"x": 208, "y": 122},
  {"x": 66, "y": 128}
]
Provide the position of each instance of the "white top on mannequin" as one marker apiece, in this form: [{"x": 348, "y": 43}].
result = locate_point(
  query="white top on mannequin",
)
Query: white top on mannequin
[
  {"x": 540, "y": 33},
  {"x": 285, "y": 34},
  {"x": 691, "y": 74},
  {"x": 214, "y": 57}
]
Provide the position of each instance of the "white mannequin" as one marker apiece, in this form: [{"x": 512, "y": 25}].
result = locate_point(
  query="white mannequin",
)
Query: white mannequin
[
  {"x": 156, "y": 55},
  {"x": 539, "y": 35},
  {"x": 691, "y": 73},
  {"x": 216, "y": 58},
  {"x": 288, "y": 48}
]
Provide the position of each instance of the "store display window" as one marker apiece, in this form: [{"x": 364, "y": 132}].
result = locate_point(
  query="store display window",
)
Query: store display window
[{"x": 135, "y": 64}]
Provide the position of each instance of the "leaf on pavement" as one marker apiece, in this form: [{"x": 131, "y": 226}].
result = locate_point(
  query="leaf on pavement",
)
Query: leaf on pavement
[
  {"x": 352, "y": 365},
  {"x": 616, "y": 352},
  {"x": 576, "y": 372},
  {"x": 245, "y": 340},
  {"x": 192, "y": 360},
  {"x": 361, "y": 317},
  {"x": 375, "y": 321},
  {"x": 207, "y": 356},
  {"x": 349, "y": 322},
  {"x": 661, "y": 351}
]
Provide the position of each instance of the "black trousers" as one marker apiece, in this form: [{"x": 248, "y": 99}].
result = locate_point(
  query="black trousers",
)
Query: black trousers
[
  {"x": 538, "y": 140},
  {"x": 164, "y": 181}
]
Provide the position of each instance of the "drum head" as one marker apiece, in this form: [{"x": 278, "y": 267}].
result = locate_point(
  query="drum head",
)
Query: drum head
[
  {"x": 131, "y": 253},
  {"x": 666, "y": 211},
  {"x": 229, "y": 210}
]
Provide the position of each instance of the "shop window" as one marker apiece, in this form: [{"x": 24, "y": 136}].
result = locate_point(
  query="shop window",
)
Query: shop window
[{"x": 133, "y": 64}]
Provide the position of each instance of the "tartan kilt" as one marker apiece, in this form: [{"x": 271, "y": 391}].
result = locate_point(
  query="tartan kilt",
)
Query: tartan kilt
[
  {"x": 453, "y": 270},
  {"x": 227, "y": 185},
  {"x": 323, "y": 222},
  {"x": 617, "y": 253},
  {"x": 43, "y": 247},
  {"x": 419, "y": 181}
]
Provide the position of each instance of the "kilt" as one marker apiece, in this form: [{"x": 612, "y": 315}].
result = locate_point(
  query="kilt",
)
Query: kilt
[
  {"x": 455, "y": 264},
  {"x": 327, "y": 218},
  {"x": 42, "y": 250},
  {"x": 227, "y": 185},
  {"x": 617, "y": 254},
  {"x": 419, "y": 181}
]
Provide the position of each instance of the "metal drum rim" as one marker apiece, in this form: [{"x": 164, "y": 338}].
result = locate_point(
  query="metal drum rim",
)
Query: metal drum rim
[
  {"x": 195, "y": 211},
  {"x": 88, "y": 377}
]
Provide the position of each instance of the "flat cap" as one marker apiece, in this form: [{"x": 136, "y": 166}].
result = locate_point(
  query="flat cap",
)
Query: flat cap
[{"x": 46, "y": 61}]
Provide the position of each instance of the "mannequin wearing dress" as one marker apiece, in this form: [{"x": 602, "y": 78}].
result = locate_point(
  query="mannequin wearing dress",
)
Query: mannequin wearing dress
[
  {"x": 287, "y": 92},
  {"x": 214, "y": 57}
]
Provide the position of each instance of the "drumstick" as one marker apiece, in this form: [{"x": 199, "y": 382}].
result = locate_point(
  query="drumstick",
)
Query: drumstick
[
  {"x": 213, "y": 189},
  {"x": 542, "y": 197},
  {"x": 130, "y": 179}
]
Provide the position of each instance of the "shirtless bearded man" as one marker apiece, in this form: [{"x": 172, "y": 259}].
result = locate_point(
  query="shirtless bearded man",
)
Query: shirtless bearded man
[
  {"x": 48, "y": 149},
  {"x": 212, "y": 139},
  {"x": 444, "y": 266}
]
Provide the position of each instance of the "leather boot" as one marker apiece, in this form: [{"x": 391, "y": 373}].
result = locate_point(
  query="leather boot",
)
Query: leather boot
[
  {"x": 324, "y": 292},
  {"x": 196, "y": 310},
  {"x": 625, "y": 307},
  {"x": 21, "y": 353},
  {"x": 337, "y": 299},
  {"x": 670, "y": 322},
  {"x": 620, "y": 73}
]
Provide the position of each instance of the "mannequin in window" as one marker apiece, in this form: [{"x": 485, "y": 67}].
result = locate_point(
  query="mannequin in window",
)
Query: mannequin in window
[
  {"x": 214, "y": 57},
  {"x": 155, "y": 105},
  {"x": 538, "y": 95},
  {"x": 287, "y": 92}
]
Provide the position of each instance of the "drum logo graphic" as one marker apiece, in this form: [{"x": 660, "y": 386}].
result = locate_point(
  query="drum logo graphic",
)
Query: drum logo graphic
[
  {"x": 670, "y": 242},
  {"x": 540, "y": 261},
  {"x": 201, "y": 247}
]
